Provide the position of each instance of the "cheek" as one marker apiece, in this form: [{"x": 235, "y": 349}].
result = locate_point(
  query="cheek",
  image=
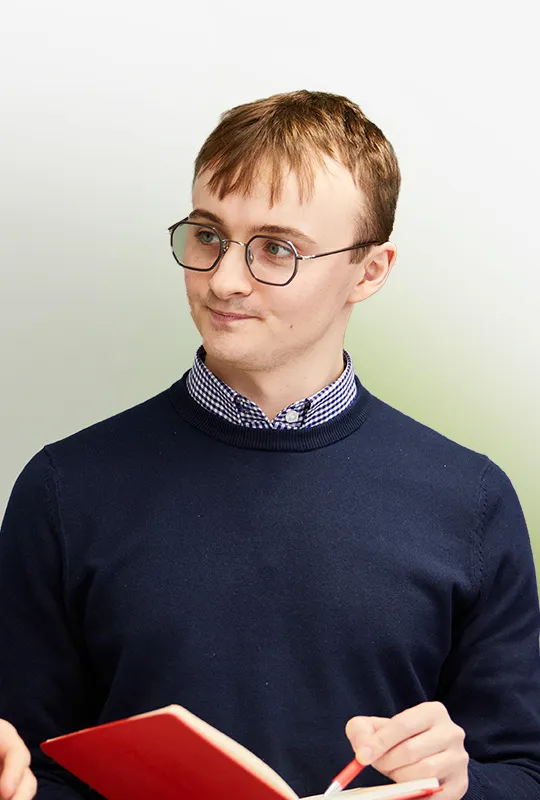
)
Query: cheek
[
  {"x": 195, "y": 283},
  {"x": 310, "y": 305},
  {"x": 286, "y": 306},
  {"x": 297, "y": 314}
]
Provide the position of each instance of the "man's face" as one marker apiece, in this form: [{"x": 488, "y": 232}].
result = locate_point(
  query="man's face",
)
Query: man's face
[{"x": 270, "y": 326}]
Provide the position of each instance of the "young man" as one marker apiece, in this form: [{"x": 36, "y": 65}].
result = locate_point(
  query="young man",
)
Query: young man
[
  {"x": 16, "y": 779},
  {"x": 267, "y": 543}
]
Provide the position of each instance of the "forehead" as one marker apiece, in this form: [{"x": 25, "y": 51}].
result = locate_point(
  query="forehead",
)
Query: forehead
[{"x": 329, "y": 210}]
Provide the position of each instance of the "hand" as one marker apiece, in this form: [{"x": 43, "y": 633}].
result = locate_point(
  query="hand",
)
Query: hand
[
  {"x": 421, "y": 742},
  {"x": 16, "y": 780}
]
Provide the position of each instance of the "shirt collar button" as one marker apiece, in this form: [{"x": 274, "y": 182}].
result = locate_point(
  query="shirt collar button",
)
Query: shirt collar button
[{"x": 291, "y": 416}]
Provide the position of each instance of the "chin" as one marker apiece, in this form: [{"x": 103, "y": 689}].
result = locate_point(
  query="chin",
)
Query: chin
[
  {"x": 240, "y": 354},
  {"x": 226, "y": 352}
]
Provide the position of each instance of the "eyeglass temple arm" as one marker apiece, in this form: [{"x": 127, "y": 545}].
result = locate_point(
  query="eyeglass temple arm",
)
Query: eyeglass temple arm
[{"x": 335, "y": 252}]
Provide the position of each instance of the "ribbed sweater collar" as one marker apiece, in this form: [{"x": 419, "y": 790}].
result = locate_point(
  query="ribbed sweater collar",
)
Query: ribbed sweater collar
[{"x": 323, "y": 435}]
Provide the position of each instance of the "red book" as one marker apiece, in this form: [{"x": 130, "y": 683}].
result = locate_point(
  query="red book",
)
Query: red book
[{"x": 171, "y": 754}]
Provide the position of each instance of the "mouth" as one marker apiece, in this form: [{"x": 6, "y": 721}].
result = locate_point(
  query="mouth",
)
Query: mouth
[{"x": 225, "y": 316}]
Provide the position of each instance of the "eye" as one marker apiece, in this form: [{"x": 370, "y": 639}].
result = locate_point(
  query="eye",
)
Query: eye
[
  {"x": 206, "y": 236},
  {"x": 277, "y": 249}
]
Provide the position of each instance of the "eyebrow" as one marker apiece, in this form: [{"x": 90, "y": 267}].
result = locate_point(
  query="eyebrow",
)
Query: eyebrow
[{"x": 279, "y": 230}]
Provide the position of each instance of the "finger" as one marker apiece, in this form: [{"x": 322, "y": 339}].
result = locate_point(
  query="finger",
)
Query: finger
[
  {"x": 403, "y": 726},
  {"x": 27, "y": 787},
  {"x": 434, "y": 766},
  {"x": 15, "y": 764},
  {"x": 16, "y": 760},
  {"x": 360, "y": 729},
  {"x": 446, "y": 767},
  {"x": 378, "y": 722},
  {"x": 414, "y": 750}
]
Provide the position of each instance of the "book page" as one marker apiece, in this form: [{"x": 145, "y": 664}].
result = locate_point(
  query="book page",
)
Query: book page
[{"x": 394, "y": 791}]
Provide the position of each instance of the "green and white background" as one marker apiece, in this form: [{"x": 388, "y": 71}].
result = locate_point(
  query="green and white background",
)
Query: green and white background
[{"x": 102, "y": 109}]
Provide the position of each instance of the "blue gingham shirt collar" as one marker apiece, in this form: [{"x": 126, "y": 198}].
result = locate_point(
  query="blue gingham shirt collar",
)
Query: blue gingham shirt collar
[{"x": 214, "y": 395}]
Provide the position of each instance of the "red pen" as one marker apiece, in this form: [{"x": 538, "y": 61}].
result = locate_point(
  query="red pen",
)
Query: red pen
[{"x": 345, "y": 777}]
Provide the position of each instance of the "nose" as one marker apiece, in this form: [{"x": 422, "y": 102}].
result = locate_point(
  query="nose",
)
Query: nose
[{"x": 231, "y": 276}]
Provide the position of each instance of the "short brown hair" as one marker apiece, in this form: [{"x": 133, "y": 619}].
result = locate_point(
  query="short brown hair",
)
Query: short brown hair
[{"x": 296, "y": 130}]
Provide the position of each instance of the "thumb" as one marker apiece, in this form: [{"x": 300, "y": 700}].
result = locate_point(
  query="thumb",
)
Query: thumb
[{"x": 360, "y": 729}]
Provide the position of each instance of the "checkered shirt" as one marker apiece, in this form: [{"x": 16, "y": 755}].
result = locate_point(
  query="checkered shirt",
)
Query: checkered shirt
[{"x": 215, "y": 396}]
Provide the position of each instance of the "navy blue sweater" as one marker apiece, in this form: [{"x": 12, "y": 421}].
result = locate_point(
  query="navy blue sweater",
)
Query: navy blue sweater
[{"x": 275, "y": 583}]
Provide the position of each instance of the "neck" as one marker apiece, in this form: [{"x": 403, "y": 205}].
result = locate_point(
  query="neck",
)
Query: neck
[{"x": 275, "y": 389}]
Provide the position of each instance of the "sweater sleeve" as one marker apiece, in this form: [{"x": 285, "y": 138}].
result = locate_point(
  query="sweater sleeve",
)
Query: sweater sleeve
[
  {"x": 491, "y": 681},
  {"x": 43, "y": 688}
]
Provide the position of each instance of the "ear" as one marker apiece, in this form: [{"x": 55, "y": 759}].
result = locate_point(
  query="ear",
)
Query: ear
[{"x": 374, "y": 271}]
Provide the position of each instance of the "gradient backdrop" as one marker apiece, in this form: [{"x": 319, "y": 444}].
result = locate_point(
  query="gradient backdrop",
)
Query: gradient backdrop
[{"x": 102, "y": 112}]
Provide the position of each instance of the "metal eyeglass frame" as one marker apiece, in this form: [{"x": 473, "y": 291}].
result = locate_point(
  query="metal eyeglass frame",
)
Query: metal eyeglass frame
[{"x": 224, "y": 246}]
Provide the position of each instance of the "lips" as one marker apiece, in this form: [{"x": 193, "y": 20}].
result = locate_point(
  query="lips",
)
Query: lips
[{"x": 226, "y": 315}]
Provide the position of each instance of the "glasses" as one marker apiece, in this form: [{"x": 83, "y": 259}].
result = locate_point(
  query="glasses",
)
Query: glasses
[{"x": 271, "y": 261}]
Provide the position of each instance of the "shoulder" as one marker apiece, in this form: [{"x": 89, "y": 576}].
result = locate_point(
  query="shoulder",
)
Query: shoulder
[
  {"x": 130, "y": 436},
  {"x": 412, "y": 437},
  {"x": 426, "y": 466},
  {"x": 141, "y": 421},
  {"x": 107, "y": 462},
  {"x": 412, "y": 449}
]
